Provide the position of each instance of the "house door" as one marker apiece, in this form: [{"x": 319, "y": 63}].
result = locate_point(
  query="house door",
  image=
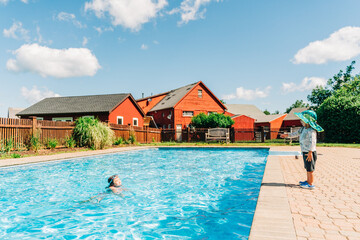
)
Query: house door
[{"x": 178, "y": 132}]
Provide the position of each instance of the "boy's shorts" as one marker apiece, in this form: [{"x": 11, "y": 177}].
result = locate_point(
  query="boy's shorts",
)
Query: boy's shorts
[{"x": 309, "y": 166}]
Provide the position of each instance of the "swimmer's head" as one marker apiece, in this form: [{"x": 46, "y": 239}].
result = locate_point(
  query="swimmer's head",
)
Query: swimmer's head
[{"x": 114, "y": 181}]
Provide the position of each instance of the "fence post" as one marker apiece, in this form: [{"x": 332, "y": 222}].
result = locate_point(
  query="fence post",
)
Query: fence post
[
  {"x": 290, "y": 133},
  {"x": 188, "y": 134},
  {"x": 34, "y": 125},
  {"x": 146, "y": 134},
  {"x": 262, "y": 134}
]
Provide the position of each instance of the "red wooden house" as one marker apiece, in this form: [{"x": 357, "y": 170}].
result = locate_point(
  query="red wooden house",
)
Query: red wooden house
[
  {"x": 174, "y": 109},
  {"x": 271, "y": 123},
  {"x": 114, "y": 108}
]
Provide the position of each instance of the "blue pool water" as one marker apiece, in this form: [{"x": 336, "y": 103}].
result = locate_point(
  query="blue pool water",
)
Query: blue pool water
[{"x": 190, "y": 193}]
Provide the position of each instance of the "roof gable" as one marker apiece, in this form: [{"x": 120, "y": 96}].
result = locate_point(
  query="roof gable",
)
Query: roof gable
[
  {"x": 174, "y": 97},
  {"x": 77, "y": 104}
]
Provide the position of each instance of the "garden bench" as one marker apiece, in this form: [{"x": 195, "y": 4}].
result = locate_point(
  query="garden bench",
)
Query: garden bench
[{"x": 218, "y": 134}]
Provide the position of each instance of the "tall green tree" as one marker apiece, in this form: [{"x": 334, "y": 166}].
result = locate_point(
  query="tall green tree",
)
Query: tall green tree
[
  {"x": 297, "y": 104},
  {"x": 319, "y": 94}
]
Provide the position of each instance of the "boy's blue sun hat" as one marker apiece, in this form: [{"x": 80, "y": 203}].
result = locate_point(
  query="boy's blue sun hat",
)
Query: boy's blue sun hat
[{"x": 310, "y": 117}]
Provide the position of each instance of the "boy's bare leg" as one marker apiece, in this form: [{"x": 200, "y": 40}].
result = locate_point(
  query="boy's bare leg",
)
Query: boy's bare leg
[{"x": 310, "y": 178}]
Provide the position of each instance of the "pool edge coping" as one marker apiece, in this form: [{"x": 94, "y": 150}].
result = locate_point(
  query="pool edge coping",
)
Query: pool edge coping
[{"x": 272, "y": 218}]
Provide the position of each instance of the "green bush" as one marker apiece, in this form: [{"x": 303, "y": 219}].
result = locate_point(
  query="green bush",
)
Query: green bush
[
  {"x": 132, "y": 139},
  {"x": 340, "y": 118},
  {"x": 6, "y": 145},
  {"x": 51, "y": 143},
  {"x": 69, "y": 142},
  {"x": 119, "y": 141},
  {"x": 34, "y": 143},
  {"x": 211, "y": 121},
  {"x": 92, "y": 133},
  {"x": 15, "y": 155}
]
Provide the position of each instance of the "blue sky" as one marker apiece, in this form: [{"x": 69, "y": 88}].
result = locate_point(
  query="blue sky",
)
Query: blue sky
[{"x": 264, "y": 52}]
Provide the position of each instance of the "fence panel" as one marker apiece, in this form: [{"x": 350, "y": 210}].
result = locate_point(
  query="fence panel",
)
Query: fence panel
[
  {"x": 55, "y": 130},
  {"x": 16, "y": 130}
]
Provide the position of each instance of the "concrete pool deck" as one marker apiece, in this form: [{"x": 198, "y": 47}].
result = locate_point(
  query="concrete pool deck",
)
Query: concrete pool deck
[{"x": 285, "y": 211}]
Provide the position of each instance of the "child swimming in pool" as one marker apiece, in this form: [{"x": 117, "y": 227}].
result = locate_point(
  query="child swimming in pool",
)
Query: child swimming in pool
[
  {"x": 115, "y": 184},
  {"x": 115, "y": 187}
]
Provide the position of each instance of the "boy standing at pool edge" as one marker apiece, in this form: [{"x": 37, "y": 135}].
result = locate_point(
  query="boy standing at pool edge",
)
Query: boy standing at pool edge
[{"x": 307, "y": 144}]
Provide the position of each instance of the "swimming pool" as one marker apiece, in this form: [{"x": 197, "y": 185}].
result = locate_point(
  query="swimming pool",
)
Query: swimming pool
[{"x": 173, "y": 193}]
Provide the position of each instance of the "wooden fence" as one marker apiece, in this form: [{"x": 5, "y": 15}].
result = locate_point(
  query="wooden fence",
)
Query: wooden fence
[{"x": 19, "y": 131}]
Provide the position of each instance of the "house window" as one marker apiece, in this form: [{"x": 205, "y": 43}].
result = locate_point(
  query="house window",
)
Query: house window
[
  {"x": 209, "y": 113},
  {"x": 188, "y": 113},
  {"x": 164, "y": 126},
  {"x": 39, "y": 118},
  {"x": 120, "y": 120},
  {"x": 63, "y": 119},
  {"x": 89, "y": 116},
  {"x": 163, "y": 114},
  {"x": 135, "y": 121},
  {"x": 169, "y": 126},
  {"x": 200, "y": 93}
]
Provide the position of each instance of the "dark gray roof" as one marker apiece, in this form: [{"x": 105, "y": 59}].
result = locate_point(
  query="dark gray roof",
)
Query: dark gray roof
[
  {"x": 77, "y": 104},
  {"x": 292, "y": 116},
  {"x": 173, "y": 97}
]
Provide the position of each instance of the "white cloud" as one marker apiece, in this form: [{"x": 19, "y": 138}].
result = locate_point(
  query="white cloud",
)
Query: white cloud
[
  {"x": 191, "y": 10},
  {"x": 85, "y": 41},
  {"x": 342, "y": 45},
  {"x": 248, "y": 94},
  {"x": 59, "y": 63},
  {"x": 307, "y": 83},
  {"x": 17, "y": 31},
  {"x": 100, "y": 30},
  {"x": 35, "y": 95},
  {"x": 69, "y": 17},
  {"x": 130, "y": 14},
  {"x": 6, "y": 1},
  {"x": 156, "y": 42},
  {"x": 144, "y": 47}
]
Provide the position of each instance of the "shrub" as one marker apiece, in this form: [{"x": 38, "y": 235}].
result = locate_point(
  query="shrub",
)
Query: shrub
[
  {"x": 6, "y": 145},
  {"x": 119, "y": 141},
  {"x": 92, "y": 133},
  {"x": 340, "y": 118},
  {"x": 34, "y": 143},
  {"x": 69, "y": 142},
  {"x": 132, "y": 139},
  {"x": 51, "y": 143},
  {"x": 211, "y": 121},
  {"x": 15, "y": 155}
]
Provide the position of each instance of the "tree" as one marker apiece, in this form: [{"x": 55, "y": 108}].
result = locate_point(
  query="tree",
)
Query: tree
[
  {"x": 297, "y": 104},
  {"x": 276, "y": 112},
  {"x": 211, "y": 121},
  {"x": 339, "y": 114},
  {"x": 319, "y": 94},
  {"x": 266, "y": 112}
]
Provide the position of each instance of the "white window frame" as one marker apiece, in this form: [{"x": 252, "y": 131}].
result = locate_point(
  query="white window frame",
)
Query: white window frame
[
  {"x": 89, "y": 116},
  {"x": 169, "y": 126},
  {"x": 187, "y": 113},
  {"x": 200, "y": 93},
  {"x": 137, "y": 122},
  {"x": 39, "y": 118},
  {"x": 122, "y": 120},
  {"x": 211, "y": 113},
  {"x": 63, "y": 119}
]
